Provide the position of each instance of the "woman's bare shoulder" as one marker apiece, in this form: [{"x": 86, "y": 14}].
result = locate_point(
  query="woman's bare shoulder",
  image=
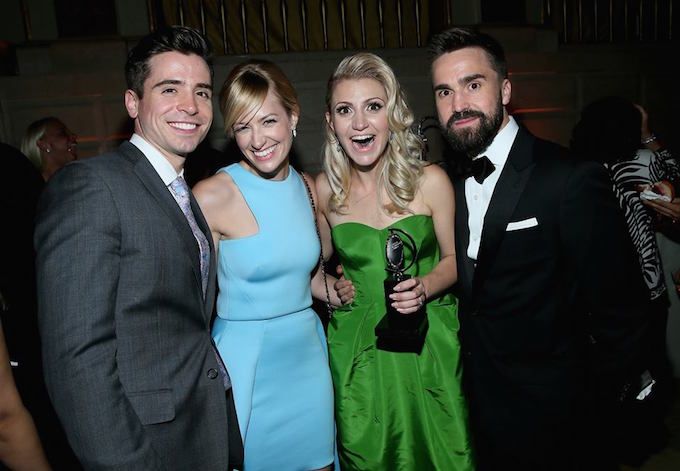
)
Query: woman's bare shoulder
[
  {"x": 216, "y": 190},
  {"x": 323, "y": 189},
  {"x": 435, "y": 179}
]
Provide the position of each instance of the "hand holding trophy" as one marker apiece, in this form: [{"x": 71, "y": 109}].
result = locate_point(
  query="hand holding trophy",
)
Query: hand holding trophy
[{"x": 398, "y": 332}]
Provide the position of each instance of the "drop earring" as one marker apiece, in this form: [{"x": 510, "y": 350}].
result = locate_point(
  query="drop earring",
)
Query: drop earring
[
  {"x": 294, "y": 132},
  {"x": 334, "y": 140}
]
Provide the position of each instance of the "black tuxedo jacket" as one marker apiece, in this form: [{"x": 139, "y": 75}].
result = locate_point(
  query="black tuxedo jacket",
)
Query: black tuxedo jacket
[{"x": 555, "y": 271}]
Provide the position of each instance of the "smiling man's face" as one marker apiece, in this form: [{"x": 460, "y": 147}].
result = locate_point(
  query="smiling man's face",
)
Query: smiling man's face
[{"x": 175, "y": 112}]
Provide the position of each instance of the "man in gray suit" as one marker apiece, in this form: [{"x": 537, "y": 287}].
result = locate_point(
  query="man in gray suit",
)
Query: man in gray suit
[{"x": 126, "y": 282}]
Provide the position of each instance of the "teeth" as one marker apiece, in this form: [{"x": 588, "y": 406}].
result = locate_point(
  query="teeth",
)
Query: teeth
[
  {"x": 364, "y": 140},
  {"x": 265, "y": 152},
  {"x": 186, "y": 126}
]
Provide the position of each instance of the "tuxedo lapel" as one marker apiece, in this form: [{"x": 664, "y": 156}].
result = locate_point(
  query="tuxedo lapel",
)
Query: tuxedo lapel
[
  {"x": 466, "y": 267},
  {"x": 153, "y": 183},
  {"x": 505, "y": 196},
  {"x": 212, "y": 272}
]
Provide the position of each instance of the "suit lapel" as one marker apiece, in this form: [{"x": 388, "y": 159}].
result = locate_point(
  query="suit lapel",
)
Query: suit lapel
[
  {"x": 505, "y": 196},
  {"x": 466, "y": 268},
  {"x": 212, "y": 272},
  {"x": 153, "y": 183}
]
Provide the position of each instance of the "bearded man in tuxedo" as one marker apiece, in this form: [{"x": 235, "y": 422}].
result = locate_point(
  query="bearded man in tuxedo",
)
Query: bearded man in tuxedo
[{"x": 552, "y": 300}]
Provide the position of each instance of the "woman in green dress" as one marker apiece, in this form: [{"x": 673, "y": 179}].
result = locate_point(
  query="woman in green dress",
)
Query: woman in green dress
[{"x": 394, "y": 410}]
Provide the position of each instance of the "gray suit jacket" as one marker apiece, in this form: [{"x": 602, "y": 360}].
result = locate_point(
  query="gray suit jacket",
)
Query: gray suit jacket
[{"x": 124, "y": 326}]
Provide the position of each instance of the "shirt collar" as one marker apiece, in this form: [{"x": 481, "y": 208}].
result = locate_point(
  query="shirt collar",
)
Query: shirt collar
[
  {"x": 163, "y": 168},
  {"x": 499, "y": 149}
]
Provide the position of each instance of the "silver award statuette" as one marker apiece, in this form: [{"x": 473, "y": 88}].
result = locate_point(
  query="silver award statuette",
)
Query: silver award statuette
[
  {"x": 394, "y": 254},
  {"x": 398, "y": 332}
]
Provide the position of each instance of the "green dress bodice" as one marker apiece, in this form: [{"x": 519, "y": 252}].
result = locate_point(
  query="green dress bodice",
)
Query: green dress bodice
[{"x": 395, "y": 411}]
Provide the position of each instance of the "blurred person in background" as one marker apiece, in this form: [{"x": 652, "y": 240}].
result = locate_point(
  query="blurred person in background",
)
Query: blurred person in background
[
  {"x": 614, "y": 132},
  {"x": 50, "y": 145},
  {"x": 19, "y": 444},
  {"x": 20, "y": 186}
]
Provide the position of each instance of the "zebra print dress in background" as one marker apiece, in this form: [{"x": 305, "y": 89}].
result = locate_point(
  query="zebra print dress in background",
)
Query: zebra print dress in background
[{"x": 646, "y": 168}]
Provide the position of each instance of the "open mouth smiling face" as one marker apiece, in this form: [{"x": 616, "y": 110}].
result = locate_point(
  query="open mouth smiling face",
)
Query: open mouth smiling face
[
  {"x": 358, "y": 117},
  {"x": 363, "y": 142}
]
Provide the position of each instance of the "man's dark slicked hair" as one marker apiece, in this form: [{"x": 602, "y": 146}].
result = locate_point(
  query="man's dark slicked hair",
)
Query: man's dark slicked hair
[
  {"x": 173, "y": 38},
  {"x": 458, "y": 38}
]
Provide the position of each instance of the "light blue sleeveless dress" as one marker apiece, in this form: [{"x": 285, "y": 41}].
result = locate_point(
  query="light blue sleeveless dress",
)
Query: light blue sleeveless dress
[{"x": 267, "y": 334}]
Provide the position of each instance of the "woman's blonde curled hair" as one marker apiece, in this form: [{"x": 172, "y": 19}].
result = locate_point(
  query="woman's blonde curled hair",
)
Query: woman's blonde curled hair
[{"x": 401, "y": 165}]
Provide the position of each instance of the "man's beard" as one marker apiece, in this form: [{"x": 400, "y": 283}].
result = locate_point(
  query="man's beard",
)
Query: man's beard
[{"x": 472, "y": 142}]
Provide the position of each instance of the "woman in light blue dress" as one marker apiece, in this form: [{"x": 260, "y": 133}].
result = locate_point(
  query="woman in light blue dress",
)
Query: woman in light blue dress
[{"x": 270, "y": 339}]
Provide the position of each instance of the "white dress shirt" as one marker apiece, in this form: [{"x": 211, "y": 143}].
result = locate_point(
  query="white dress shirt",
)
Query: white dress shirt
[
  {"x": 163, "y": 168},
  {"x": 478, "y": 195}
]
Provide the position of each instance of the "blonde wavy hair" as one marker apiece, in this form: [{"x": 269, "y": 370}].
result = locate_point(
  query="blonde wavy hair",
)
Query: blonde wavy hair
[
  {"x": 246, "y": 88},
  {"x": 401, "y": 164}
]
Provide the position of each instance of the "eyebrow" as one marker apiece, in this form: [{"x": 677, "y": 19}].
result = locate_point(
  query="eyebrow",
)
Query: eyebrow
[
  {"x": 462, "y": 81},
  {"x": 181, "y": 82},
  {"x": 470, "y": 78},
  {"x": 343, "y": 102},
  {"x": 265, "y": 117},
  {"x": 270, "y": 115}
]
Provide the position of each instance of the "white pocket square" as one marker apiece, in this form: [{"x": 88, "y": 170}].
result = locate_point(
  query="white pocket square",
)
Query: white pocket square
[{"x": 524, "y": 224}]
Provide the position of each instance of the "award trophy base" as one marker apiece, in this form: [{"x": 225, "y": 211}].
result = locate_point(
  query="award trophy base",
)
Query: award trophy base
[{"x": 398, "y": 332}]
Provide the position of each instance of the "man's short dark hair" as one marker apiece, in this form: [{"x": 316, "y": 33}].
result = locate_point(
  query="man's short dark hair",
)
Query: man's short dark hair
[
  {"x": 173, "y": 38},
  {"x": 458, "y": 38}
]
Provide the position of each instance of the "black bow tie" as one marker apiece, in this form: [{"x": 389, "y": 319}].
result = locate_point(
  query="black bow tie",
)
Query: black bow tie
[{"x": 480, "y": 169}]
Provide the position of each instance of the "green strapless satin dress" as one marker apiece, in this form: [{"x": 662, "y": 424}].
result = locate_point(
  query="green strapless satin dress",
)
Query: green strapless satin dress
[{"x": 395, "y": 411}]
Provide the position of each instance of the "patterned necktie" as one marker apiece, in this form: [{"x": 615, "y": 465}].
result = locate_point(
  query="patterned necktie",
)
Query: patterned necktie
[{"x": 180, "y": 191}]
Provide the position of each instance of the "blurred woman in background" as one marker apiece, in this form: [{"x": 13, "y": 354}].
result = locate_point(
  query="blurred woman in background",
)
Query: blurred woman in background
[{"x": 50, "y": 145}]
